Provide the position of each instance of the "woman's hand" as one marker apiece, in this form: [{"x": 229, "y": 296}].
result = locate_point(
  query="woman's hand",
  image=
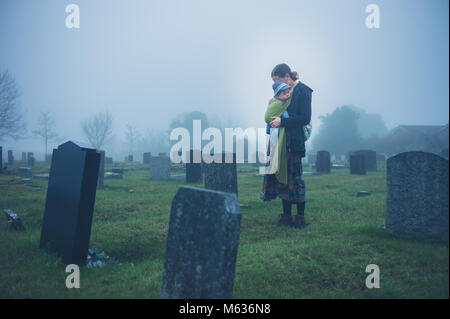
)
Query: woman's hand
[{"x": 276, "y": 121}]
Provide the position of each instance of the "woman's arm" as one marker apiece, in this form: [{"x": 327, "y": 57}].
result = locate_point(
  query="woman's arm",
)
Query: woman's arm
[{"x": 303, "y": 103}]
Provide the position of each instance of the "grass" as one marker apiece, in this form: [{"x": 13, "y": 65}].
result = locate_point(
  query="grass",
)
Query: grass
[{"x": 327, "y": 259}]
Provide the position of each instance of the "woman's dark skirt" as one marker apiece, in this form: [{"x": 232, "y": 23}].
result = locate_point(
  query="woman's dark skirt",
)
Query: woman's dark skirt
[{"x": 294, "y": 190}]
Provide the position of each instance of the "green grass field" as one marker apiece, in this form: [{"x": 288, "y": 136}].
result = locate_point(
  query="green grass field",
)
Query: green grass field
[{"x": 327, "y": 259}]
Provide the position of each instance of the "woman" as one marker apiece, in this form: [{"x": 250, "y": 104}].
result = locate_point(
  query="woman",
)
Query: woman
[{"x": 299, "y": 114}]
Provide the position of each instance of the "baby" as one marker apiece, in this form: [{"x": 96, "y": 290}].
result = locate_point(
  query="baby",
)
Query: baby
[{"x": 281, "y": 92}]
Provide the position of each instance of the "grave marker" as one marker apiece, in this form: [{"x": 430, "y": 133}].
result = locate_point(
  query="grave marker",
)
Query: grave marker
[{"x": 69, "y": 206}]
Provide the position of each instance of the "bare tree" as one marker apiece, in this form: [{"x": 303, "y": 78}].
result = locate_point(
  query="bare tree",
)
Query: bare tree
[
  {"x": 132, "y": 136},
  {"x": 98, "y": 129},
  {"x": 11, "y": 118},
  {"x": 46, "y": 129}
]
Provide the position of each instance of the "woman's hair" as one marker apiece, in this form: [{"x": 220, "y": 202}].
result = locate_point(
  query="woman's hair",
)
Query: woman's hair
[{"x": 281, "y": 70}]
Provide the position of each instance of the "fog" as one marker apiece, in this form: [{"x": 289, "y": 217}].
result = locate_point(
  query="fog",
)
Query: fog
[{"x": 145, "y": 62}]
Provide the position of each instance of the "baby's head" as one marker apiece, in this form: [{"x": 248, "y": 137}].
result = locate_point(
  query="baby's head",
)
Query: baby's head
[{"x": 281, "y": 90}]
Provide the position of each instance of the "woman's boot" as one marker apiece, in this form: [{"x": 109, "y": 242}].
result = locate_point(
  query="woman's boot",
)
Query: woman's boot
[
  {"x": 286, "y": 217},
  {"x": 299, "y": 220}
]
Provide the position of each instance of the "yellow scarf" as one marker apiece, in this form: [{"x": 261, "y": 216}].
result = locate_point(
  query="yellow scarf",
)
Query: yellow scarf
[{"x": 277, "y": 108}]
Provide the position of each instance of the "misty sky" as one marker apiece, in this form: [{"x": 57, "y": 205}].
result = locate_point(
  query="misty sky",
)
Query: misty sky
[{"x": 147, "y": 61}]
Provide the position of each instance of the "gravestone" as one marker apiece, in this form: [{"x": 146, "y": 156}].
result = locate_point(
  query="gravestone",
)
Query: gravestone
[
  {"x": 357, "y": 164},
  {"x": 146, "y": 158},
  {"x": 10, "y": 158},
  {"x": 193, "y": 162},
  {"x": 25, "y": 172},
  {"x": 370, "y": 158},
  {"x": 323, "y": 162},
  {"x": 159, "y": 168},
  {"x": 417, "y": 195},
  {"x": 24, "y": 157},
  {"x": 202, "y": 244},
  {"x": 30, "y": 159},
  {"x": 222, "y": 176},
  {"x": 109, "y": 175},
  {"x": 101, "y": 170},
  {"x": 66, "y": 227}
]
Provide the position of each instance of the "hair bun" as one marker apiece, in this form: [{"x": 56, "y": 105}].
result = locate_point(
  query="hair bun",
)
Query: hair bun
[{"x": 294, "y": 75}]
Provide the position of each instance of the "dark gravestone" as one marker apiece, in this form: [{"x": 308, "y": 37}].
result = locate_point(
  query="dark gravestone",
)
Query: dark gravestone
[
  {"x": 222, "y": 175},
  {"x": 417, "y": 195},
  {"x": 357, "y": 164},
  {"x": 30, "y": 159},
  {"x": 146, "y": 158},
  {"x": 194, "y": 166},
  {"x": 370, "y": 158},
  {"x": 323, "y": 162},
  {"x": 24, "y": 157},
  {"x": 66, "y": 227},
  {"x": 25, "y": 172},
  {"x": 159, "y": 168},
  {"x": 10, "y": 158},
  {"x": 101, "y": 170},
  {"x": 202, "y": 244}
]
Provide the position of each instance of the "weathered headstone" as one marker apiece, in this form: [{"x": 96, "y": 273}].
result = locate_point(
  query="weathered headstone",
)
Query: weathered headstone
[
  {"x": 370, "y": 158},
  {"x": 159, "y": 168},
  {"x": 146, "y": 158},
  {"x": 109, "y": 175},
  {"x": 193, "y": 162},
  {"x": 30, "y": 159},
  {"x": 202, "y": 245},
  {"x": 417, "y": 195},
  {"x": 222, "y": 176},
  {"x": 101, "y": 170},
  {"x": 10, "y": 158},
  {"x": 357, "y": 164},
  {"x": 323, "y": 162},
  {"x": 25, "y": 172},
  {"x": 66, "y": 227}
]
